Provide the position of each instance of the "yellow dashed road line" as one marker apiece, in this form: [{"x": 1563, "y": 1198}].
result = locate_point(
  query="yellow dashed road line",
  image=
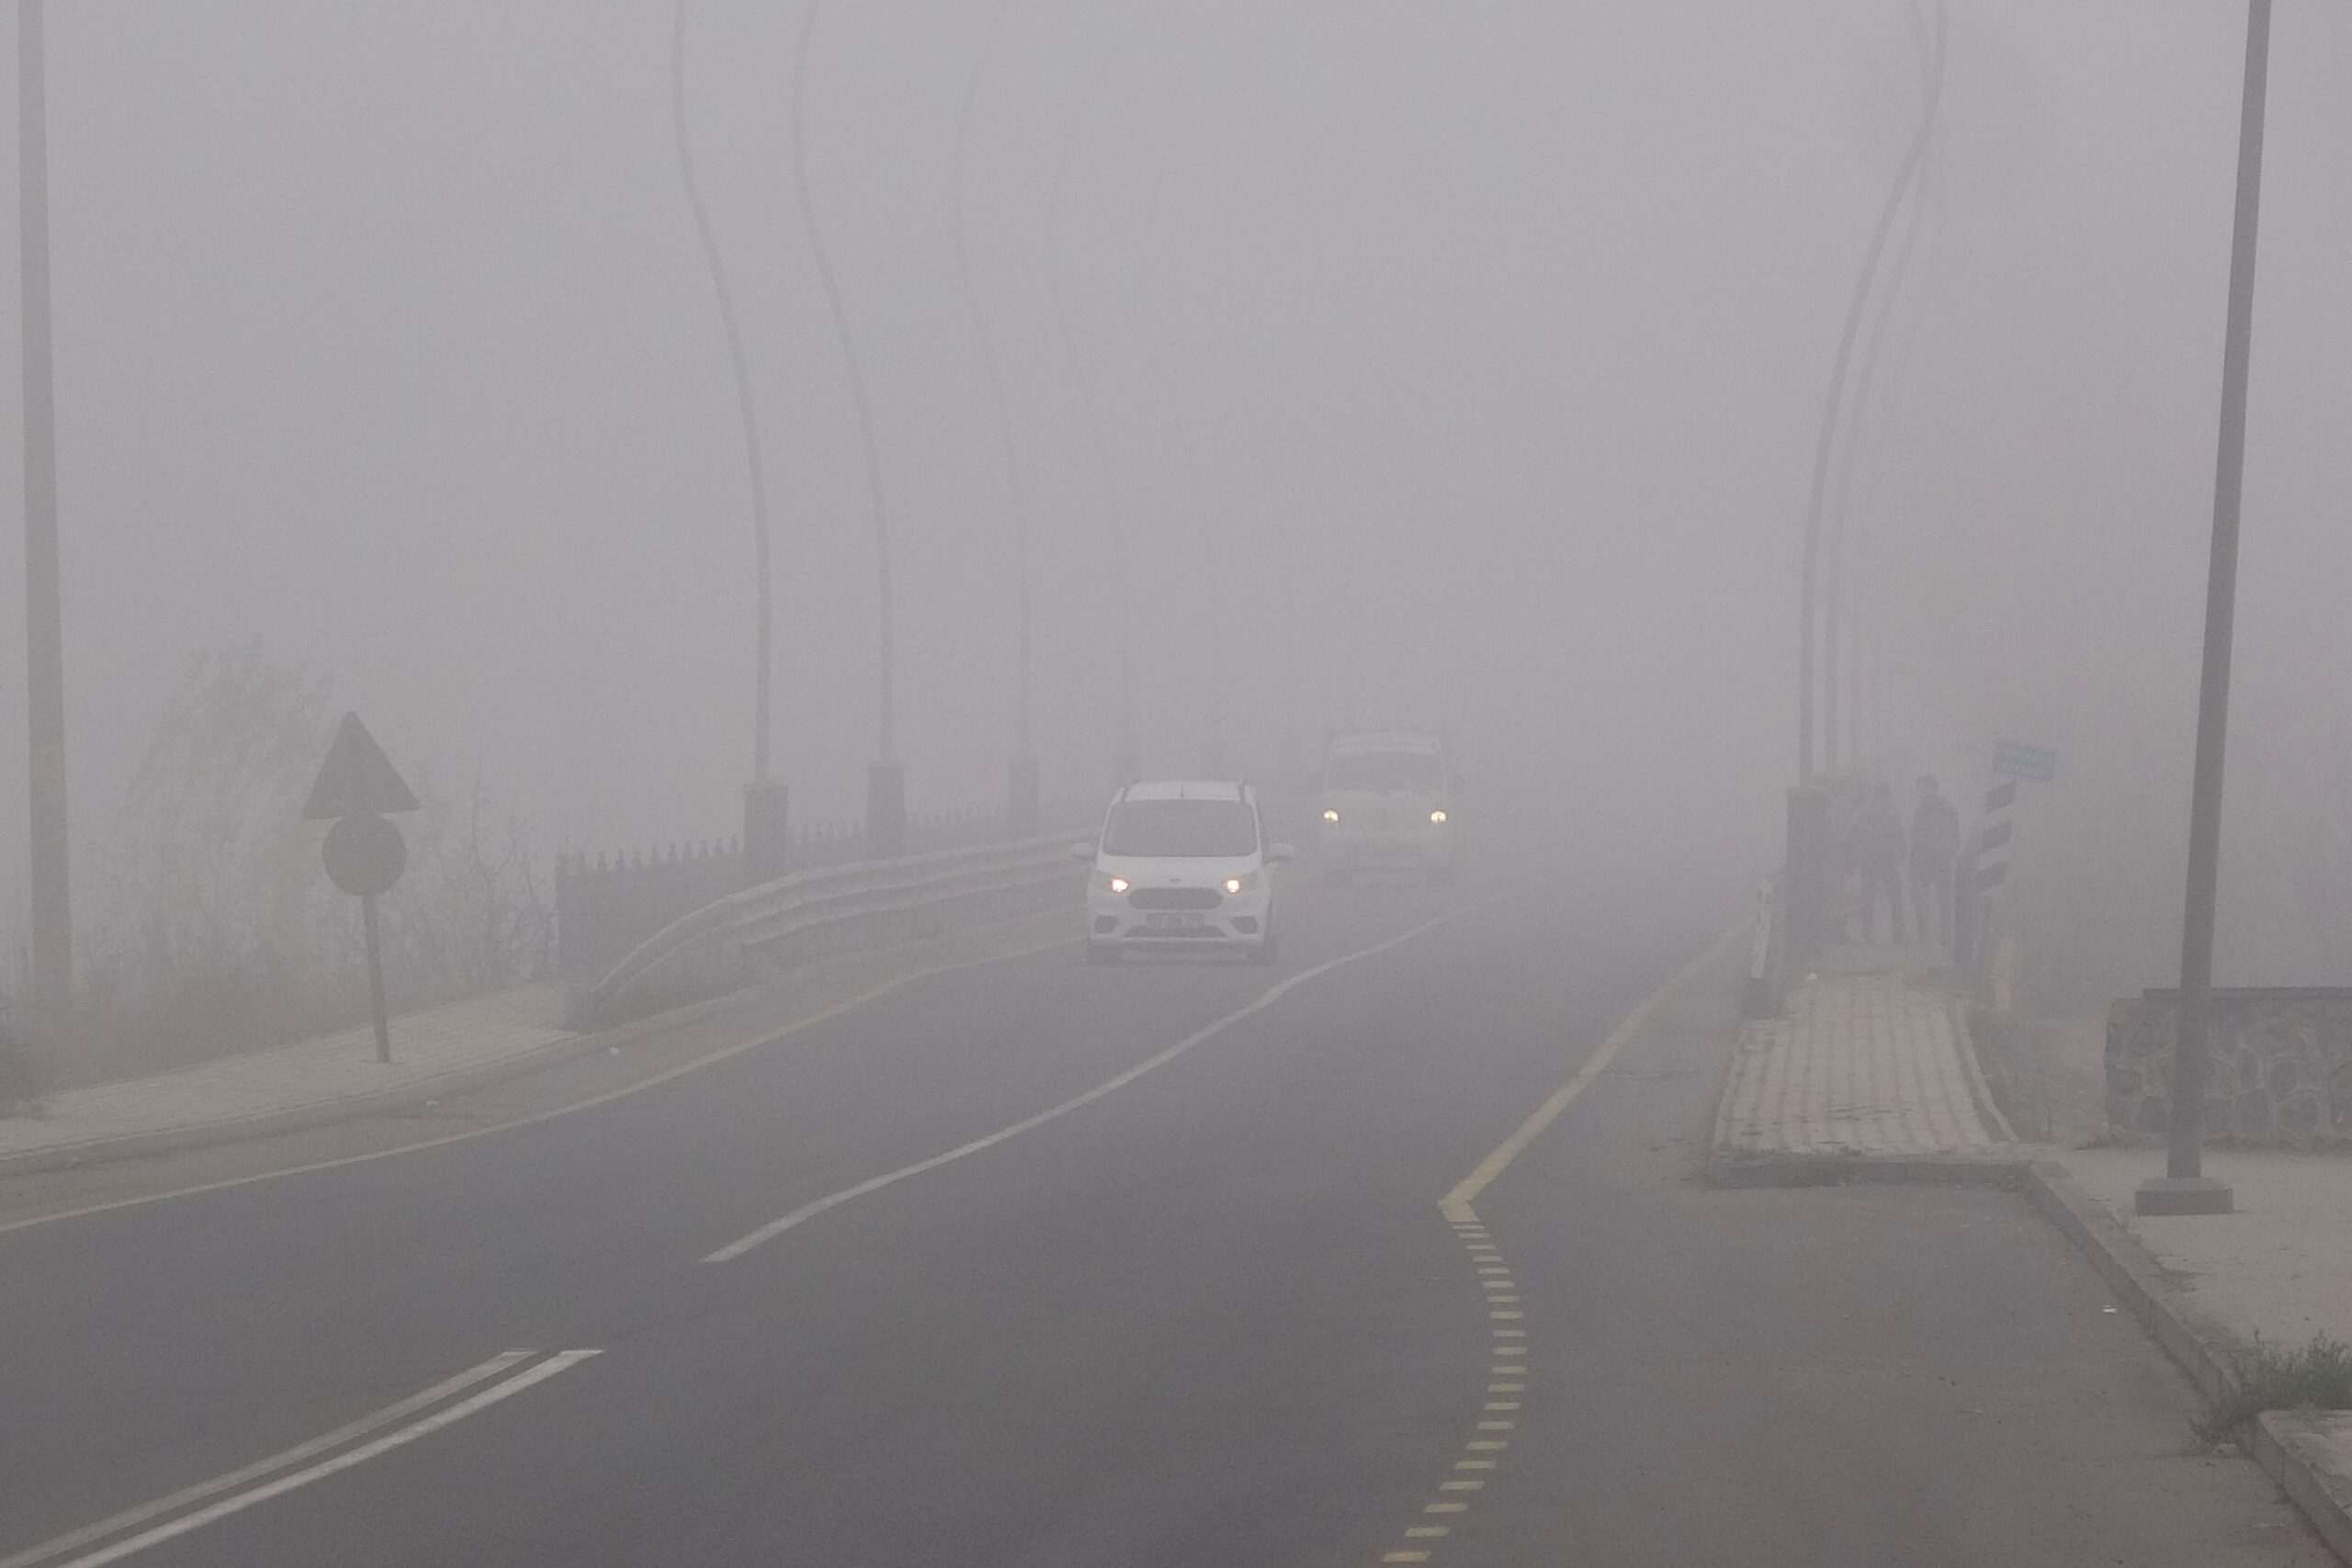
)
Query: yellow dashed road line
[
  {"x": 1481, "y": 1449},
  {"x": 1494, "y": 1276}
]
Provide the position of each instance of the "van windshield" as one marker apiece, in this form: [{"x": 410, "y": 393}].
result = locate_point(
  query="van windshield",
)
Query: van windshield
[
  {"x": 1181, "y": 828},
  {"x": 1390, "y": 773}
]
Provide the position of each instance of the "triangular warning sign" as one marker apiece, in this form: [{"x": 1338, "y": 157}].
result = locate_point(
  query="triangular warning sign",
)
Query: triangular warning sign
[{"x": 356, "y": 778}]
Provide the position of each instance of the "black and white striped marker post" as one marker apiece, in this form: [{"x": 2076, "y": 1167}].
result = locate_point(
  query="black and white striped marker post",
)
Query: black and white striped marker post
[
  {"x": 1993, "y": 839},
  {"x": 1984, "y": 864}
]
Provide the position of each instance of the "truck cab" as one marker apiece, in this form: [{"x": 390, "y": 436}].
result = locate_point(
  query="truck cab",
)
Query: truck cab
[{"x": 1388, "y": 803}]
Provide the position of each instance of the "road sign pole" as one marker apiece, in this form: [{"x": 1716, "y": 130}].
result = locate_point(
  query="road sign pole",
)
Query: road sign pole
[
  {"x": 363, "y": 854},
  {"x": 376, "y": 977}
]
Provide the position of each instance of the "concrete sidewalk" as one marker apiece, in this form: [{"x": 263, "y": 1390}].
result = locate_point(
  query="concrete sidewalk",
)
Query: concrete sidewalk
[
  {"x": 1869, "y": 1074},
  {"x": 456, "y": 1043},
  {"x": 1870, "y": 1056}
]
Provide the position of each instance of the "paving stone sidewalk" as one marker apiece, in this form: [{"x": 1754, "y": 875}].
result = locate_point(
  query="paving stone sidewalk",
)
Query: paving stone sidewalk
[
  {"x": 1866, "y": 1059},
  {"x": 437, "y": 1044},
  {"x": 1871, "y": 1056}
]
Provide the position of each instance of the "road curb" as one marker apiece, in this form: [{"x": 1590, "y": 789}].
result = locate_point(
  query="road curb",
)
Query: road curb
[
  {"x": 2130, "y": 1272},
  {"x": 2134, "y": 1276},
  {"x": 411, "y": 1095},
  {"x": 416, "y": 1094},
  {"x": 2276, "y": 1448},
  {"x": 1848, "y": 1169}
]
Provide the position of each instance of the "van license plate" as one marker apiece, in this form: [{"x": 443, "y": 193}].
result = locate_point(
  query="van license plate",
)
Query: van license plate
[{"x": 1165, "y": 917}]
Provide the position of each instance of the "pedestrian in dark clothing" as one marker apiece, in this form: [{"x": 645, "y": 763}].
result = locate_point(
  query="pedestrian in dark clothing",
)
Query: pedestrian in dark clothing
[
  {"x": 1878, "y": 852},
  {"x": 1935, "y": 853}
]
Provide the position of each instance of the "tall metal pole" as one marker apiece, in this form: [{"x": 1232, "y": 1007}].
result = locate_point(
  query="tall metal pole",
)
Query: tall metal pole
[
  {"x": 1841, "y": 708},
  {"x": 765, "y": 588},
  {"x": 886, "y": 781},
  {"x": 1021, "y": 796},
  {"x": 1125, "y": 761},
  {"x": 52, "y": 915},
  {"x": 2184, "y": 1189},
  {"x": 1217, "y": 757},
  {"x": 767, "y": 837},
  {"x": 1807, "y": 617}
]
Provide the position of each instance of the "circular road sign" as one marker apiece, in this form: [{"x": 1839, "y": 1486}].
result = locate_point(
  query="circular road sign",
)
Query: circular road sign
[{"x": 365, "y": 854}]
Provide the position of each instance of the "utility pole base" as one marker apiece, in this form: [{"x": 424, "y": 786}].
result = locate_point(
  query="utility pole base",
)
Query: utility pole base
[
  {"x": 2183, "y": 1195},
  {"x": 885, "y": 810},
  {"x": 767, "y": 832},
  {"x": 1021, "y": 797}
]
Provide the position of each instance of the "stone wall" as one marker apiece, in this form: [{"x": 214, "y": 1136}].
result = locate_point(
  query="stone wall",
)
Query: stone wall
[{"x": 2280, "y": 1074}]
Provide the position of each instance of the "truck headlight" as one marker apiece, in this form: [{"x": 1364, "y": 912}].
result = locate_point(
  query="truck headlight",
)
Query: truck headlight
[
  {"x": 1117, "y": 885},
  {"x": 1439, "y": 815},
  {"x": 1330, "y": 814}
]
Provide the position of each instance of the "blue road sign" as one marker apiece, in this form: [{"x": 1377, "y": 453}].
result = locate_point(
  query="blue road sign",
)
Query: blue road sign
[{"x": 2017, "y": 760}]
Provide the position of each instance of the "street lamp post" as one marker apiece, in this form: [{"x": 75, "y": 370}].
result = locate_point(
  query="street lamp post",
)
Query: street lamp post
[
  {"x": 1021, "y": 788},
  {"x": 886, "y": 776},
  {"x": 1126, "y": 759},
  {"x": 1808, "y": 633},
  {"x": 767, "y": 826},
  {"x": 2184, "y": 1189},
  {"x": 53, "y": 918}
]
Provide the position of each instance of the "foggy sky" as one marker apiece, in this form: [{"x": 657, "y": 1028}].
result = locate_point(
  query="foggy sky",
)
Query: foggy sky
[{"x": 383, "y": 335}]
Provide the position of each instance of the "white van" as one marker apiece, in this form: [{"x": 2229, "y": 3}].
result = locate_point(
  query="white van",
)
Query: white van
[
  {"x": 1183, "y": 864},
  {"x": 1388, "y": 803}
]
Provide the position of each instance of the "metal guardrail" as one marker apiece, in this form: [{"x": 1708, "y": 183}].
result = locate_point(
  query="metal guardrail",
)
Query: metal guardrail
[{"x": 819, "y": 912}]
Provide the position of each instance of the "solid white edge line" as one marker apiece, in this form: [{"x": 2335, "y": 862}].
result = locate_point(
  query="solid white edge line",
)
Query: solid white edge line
[
  {"x": 342, "y": 1461},
  {"x": 259, "y": 1468},
  {"x": 775, "y": 1228}
]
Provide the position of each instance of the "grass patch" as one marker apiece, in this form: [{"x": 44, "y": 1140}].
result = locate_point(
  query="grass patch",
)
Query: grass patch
[{"x": 2317, "y": 1376}]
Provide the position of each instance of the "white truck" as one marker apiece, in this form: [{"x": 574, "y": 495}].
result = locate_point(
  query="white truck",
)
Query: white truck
[{"x": 1388, "y": 803}]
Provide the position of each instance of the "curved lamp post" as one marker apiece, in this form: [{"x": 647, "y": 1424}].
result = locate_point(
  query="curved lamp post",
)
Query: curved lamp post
[
  {"x": 885, "y": 777},
  {"x": 765, "y": 828},
  {"x": 1836, "y": 651},
  {"x": 1021, "y": 784},
  {"x": 1125, "y": 761},
  {"x": 1807, "y": 589}
]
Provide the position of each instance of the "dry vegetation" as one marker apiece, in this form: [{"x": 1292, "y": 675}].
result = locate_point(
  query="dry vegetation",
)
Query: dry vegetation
[{"x": 216, "y": 930}]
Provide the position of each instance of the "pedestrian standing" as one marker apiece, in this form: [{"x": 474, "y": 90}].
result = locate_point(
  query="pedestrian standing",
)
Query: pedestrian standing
[
  {"x": 1878, "y": 852},
  {"x": 1935, "y": 853}
]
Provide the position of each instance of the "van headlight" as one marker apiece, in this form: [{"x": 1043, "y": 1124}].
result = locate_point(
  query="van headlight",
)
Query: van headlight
[
  {"x": 1438, "y": 815},
  {"x": 1330, "y": 814},
  {"x": 1241, "y": 884},
  {"x": 1117, "y": 885}
]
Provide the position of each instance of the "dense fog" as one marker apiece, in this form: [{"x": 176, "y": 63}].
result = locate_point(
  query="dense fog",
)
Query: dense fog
[{"x": 1461, "y": 364}]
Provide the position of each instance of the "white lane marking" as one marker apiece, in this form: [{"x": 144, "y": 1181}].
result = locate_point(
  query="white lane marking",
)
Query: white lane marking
[
  {"x": 259, "y": 1468},
  {"x": 724, "y": 1053},
  {"x": 342, "y": 1461},
  {"x": 775, "y": 1228},
  {"x": 1455, "y": 1206}
]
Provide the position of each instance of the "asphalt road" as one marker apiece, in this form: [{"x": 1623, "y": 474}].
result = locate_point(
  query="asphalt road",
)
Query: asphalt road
[{"x": 1212, "y": 1317}]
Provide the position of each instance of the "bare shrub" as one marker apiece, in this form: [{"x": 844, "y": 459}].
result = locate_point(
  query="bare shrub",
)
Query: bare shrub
[{"x": 219, "y": 931}]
